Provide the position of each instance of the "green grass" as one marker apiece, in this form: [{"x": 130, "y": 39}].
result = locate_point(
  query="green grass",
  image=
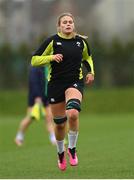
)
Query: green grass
[
  {"x": 105, "y": 149},
  {"x": 105, "y": 144}
]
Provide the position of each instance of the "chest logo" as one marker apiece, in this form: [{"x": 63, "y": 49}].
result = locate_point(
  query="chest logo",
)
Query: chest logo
[
  {"x": 78, "y": 43},
  {"x": 59, "y": 43},
  {"x": 75, "y": 85}
]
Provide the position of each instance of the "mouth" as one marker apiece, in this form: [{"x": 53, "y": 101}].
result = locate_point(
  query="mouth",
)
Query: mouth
[{"x": 68, "y": 28}]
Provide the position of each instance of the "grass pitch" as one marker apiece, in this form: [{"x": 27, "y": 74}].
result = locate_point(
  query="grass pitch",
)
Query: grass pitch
[{"x": 105, "y": 149}]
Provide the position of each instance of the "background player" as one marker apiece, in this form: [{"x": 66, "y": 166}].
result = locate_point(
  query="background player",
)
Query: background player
[{"x": 38, "y": 106}]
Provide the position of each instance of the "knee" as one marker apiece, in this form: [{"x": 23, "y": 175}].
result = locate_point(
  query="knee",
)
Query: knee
[
  {"x": 73, "y": 104},
  {"x": 60, "y": 122},
  {"x": 72, "y": 114}
]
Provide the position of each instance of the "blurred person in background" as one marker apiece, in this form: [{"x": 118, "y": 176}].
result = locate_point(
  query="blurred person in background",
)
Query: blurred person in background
[
  {"x": 65, "y": 53},
  {"x": 38, "y": 106}
]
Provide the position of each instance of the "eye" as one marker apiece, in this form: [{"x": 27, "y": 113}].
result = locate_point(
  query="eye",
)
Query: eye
[
  {"x": 64, "y": 22},
  {"x": 70, "y": 22}
]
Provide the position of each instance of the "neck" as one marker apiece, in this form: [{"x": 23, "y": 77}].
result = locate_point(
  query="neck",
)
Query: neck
[{"x": 66, "y": 36}]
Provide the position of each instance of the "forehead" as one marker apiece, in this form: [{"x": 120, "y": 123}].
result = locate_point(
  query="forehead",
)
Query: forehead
[{"x": 66, "y": 18}]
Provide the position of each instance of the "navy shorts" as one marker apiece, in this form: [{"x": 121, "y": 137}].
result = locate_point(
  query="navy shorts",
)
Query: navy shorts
[
  {"x": 31, "y": 98},
  {"x": 56, "y": 90},
  {"x": 37, "y": 86}
]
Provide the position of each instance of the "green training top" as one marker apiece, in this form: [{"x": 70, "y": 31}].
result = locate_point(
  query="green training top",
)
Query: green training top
[{"x": 75, "y": 51}]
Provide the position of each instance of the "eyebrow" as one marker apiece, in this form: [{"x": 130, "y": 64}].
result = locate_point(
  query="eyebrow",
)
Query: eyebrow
[{"x": 67, "y": 20}]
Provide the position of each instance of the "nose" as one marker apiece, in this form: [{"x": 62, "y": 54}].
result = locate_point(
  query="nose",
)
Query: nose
[{"x": 68, "y": 25}]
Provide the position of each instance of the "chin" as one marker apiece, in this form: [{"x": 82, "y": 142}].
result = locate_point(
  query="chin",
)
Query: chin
[{"x": 68, "y": 32}]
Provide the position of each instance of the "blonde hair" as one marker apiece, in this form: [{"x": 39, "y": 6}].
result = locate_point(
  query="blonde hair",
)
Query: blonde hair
[
  {"x": 70, "y": 15},
  {"x": 62, "y": 15}
]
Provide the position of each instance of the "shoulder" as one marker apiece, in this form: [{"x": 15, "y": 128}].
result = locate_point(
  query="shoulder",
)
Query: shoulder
[
  {"x": 49, "y": 39},
  {"x": 81, "y": 38},
  {"x": 44, "y": 45}
]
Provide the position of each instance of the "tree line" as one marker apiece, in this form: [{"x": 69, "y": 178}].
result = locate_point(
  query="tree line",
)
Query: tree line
[{"x": 114, "y": 64}]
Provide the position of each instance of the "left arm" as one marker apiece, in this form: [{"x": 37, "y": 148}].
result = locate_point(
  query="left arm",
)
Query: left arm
[{"x": 88, "y": 62}]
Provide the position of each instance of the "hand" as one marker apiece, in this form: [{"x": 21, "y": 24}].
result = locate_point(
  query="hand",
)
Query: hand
[
  {"x": 57, "y": 57},
  {"x": 89, "y": 78}
]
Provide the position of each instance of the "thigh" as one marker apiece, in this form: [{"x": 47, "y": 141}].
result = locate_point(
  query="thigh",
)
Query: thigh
[
  {"x": 48, "y": 110},
  {"x": 58, "y": 110},
  {"x": 72, "y": 93},
  {"x": 75, "y": 90}
]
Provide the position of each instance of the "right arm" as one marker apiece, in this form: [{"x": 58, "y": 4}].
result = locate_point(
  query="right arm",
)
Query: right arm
[{"x": 44, "y": 54}]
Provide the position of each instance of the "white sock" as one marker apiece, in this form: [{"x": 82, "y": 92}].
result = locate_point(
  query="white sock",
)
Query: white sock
[
  {"x": 20, "y": 136},
  {"x": 52, "y": 137},
  {"x": 72, "y": 139},
  {"x": 60, "y": 146}
]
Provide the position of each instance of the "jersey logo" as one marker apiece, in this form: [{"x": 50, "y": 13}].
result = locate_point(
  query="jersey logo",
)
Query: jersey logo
[
  {"x": 78, "y": 43},
  {"x": 52, "y": 100},
  {"x": 75, "y": 85},
  {"x": 59, "y": 43}
]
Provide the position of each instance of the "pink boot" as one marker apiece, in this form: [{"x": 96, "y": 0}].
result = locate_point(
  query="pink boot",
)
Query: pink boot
[
  {"x": 72, "y": 157},
  {"x": 62, "y": 161}
]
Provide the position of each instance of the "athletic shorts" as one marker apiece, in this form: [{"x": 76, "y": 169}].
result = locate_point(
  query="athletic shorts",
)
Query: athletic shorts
[
  {"x": 36, "y": 86},
  {"x": 56, "y": 91},
  {"x": 31, "y": 99}
]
